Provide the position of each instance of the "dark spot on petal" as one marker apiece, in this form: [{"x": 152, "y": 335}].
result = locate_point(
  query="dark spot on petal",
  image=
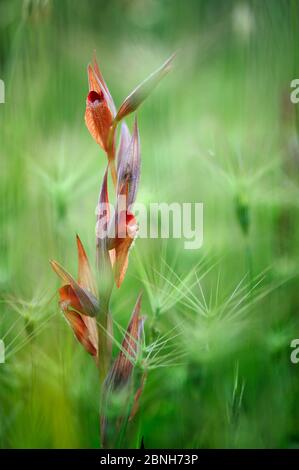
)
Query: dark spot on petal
[
  {"x": 94, "y": 96},
  {"x": 130, "y": 217}
]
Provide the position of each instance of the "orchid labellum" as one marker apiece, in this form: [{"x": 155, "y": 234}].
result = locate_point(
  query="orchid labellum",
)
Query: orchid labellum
[{"x": 85, "y": 301}]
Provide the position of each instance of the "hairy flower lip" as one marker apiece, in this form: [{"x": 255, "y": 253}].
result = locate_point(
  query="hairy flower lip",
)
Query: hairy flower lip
[{"x": 94, "y": 97}]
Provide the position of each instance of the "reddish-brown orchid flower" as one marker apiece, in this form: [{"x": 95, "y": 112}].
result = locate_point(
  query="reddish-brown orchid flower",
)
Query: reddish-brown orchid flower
[
  {"x": 100, "y": 109},
  {"x": 98, "y": 118},
  {"x": 82, "y": 308},
  {"x": 123, "y": 224},
  {"x": 78, "y": 301},
  {"x": 100, "y": 114}
]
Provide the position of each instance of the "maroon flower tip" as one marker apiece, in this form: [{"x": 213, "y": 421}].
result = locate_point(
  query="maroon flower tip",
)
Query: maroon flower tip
[
  {"x": 130, "y": 217},
  {"x": 93, "y": 96}
]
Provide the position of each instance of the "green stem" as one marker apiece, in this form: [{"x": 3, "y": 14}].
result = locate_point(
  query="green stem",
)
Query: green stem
[
  {"x": 105, "y": 283},
  {"x": 104, "y": 356}
]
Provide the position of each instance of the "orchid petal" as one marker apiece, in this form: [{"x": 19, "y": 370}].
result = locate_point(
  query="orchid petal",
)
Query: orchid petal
[
  {"x": 98, "y": 118},
  {"x": 103, "y": 259},
  {"x": 125, "y": 228},
  {"x": 84, "y": 327},
  {"x": 85, "y": 277},
  {"x": 139, "y": 94},
  {"x": 103, "y": 219},
  {"x": 93, "y": 83},
  {"x": 103, "y": 209},
  {"x": 100, "y": 80},
  {"x": 80, "y": 331},
  {"x": 129, "y": 167},
  {"x": 122, "y": 248},
  {"x": 123, "y": 366},
  {"x": 87, "y": 300},
  {"x": 125, "y": 139}
]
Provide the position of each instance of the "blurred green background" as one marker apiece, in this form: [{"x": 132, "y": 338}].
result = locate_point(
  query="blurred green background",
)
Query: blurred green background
[{"x": 220, "y": 129}]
